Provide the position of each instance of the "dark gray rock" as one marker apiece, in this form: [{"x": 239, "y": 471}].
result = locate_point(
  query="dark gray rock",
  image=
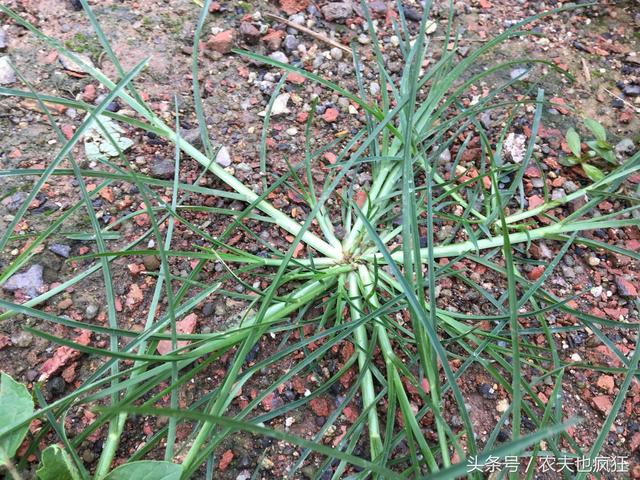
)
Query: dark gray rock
[
  {"x": 60, "y": 249},
  {"x": 55, "y": 386},
  {"x": 208, "y": 309},
  {"x": 378, "y": 7},
  {"x": 335, "y": 11},
  {"x": 162, "y": 168},
  {"x": 30, "y": 281},
  {"x": 290, "y": 43},
  {"x": 249, "y": 33},
  {"x": 22, "y": 339},
  {"x": 625, "y": 147},
  {"x": 632, "y": 90},
  {"x": 15, "y": 201},
  {"x": 412, "y": 14}
]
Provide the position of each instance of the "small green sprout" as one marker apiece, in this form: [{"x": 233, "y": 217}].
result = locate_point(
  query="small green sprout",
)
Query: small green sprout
[{"x": 598, "y": 148}]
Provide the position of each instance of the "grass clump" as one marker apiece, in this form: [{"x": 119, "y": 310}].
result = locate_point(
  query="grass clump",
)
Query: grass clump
[{"x": 374, "y": 288}]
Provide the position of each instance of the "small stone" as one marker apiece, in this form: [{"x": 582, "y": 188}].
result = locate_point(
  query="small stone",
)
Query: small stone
[
  {"x": 151, "y": 263},
  {"x": 225, "y": 460},
  {"x": 632, "y": 90},
  {"x": 519, "y": 73},
  {"x": 293, "y": 6},
  {"x": 60, "y": 249},
  {"x": 336, "y": 53},
  {"x": 91, "y": 311},
  {"x": 568, "y": 272},
  {"x": 330, "y": 115},
  {"x": 222, "y": 42},
  {"x": 606, "y": 383},
  {"x": 208, "y": 309},
  {"x": 55, "y": 386},
  {"x": 625, "y": 147},
  {"x": 558, "y": 194},
  {"x": 273, "y": 39},
  {"x": 249, "y": 33},
  {"x": 412, "y": 14},
  {"x": 570, "y": 186},
  {"x": 320, "y": 406},
  {"x": 7, "y": 74},
  {"x": 486, "y": 391},
  {"x": 576, "y": 357},
  {"x": 336, "y": 11},
  {"x": 536, "y": 273},
  {"x": 89, "y": 93},
  {"x": 64, "y": 304},
  {"x": 633, "y": 58},
  {"x": 30, "y": 281},
  {"x": 15, "y": 201},
  {"x": 295, "y": 78},
  {"x": 21, "y": 339},
  {"x": 445, "y": 156},
  {"x": 267, "y": 463},
  {"x": 625, "y": 287},
  {"x": 279, "y": 57},
  {"x": 279, "y": 105},
  {"x": 593, "y": 261},
  {"x": 602, "y": 403},
  {"x": 292, "y": 132},
  {"x": 597, "y": 291},
  {"x": 502, "y": 405},
  {"x": 223, "y": 158},
  {"x": 73, "y": 66},
  {"x": 88, "y": 456},
  {"x": 363, "y": 39},
  {"x": 535, "y": 201},
  {"x": 162, "y": 168},
  {"x": 290, "y": 43}
]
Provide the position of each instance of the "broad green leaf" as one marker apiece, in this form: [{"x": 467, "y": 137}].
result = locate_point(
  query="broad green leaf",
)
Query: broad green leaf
[
  {"x": 16, "y": 405},
  {"x": 573, "y": 140},
  {"x": 604, "y": 153},
  {"x": 568, "y": 161},
  {"x": 594, "y": 173},
  {"x": 596, "y": 128},
  {"x": 146, "y": 470},
  {"x": 55, "y": 464}
]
